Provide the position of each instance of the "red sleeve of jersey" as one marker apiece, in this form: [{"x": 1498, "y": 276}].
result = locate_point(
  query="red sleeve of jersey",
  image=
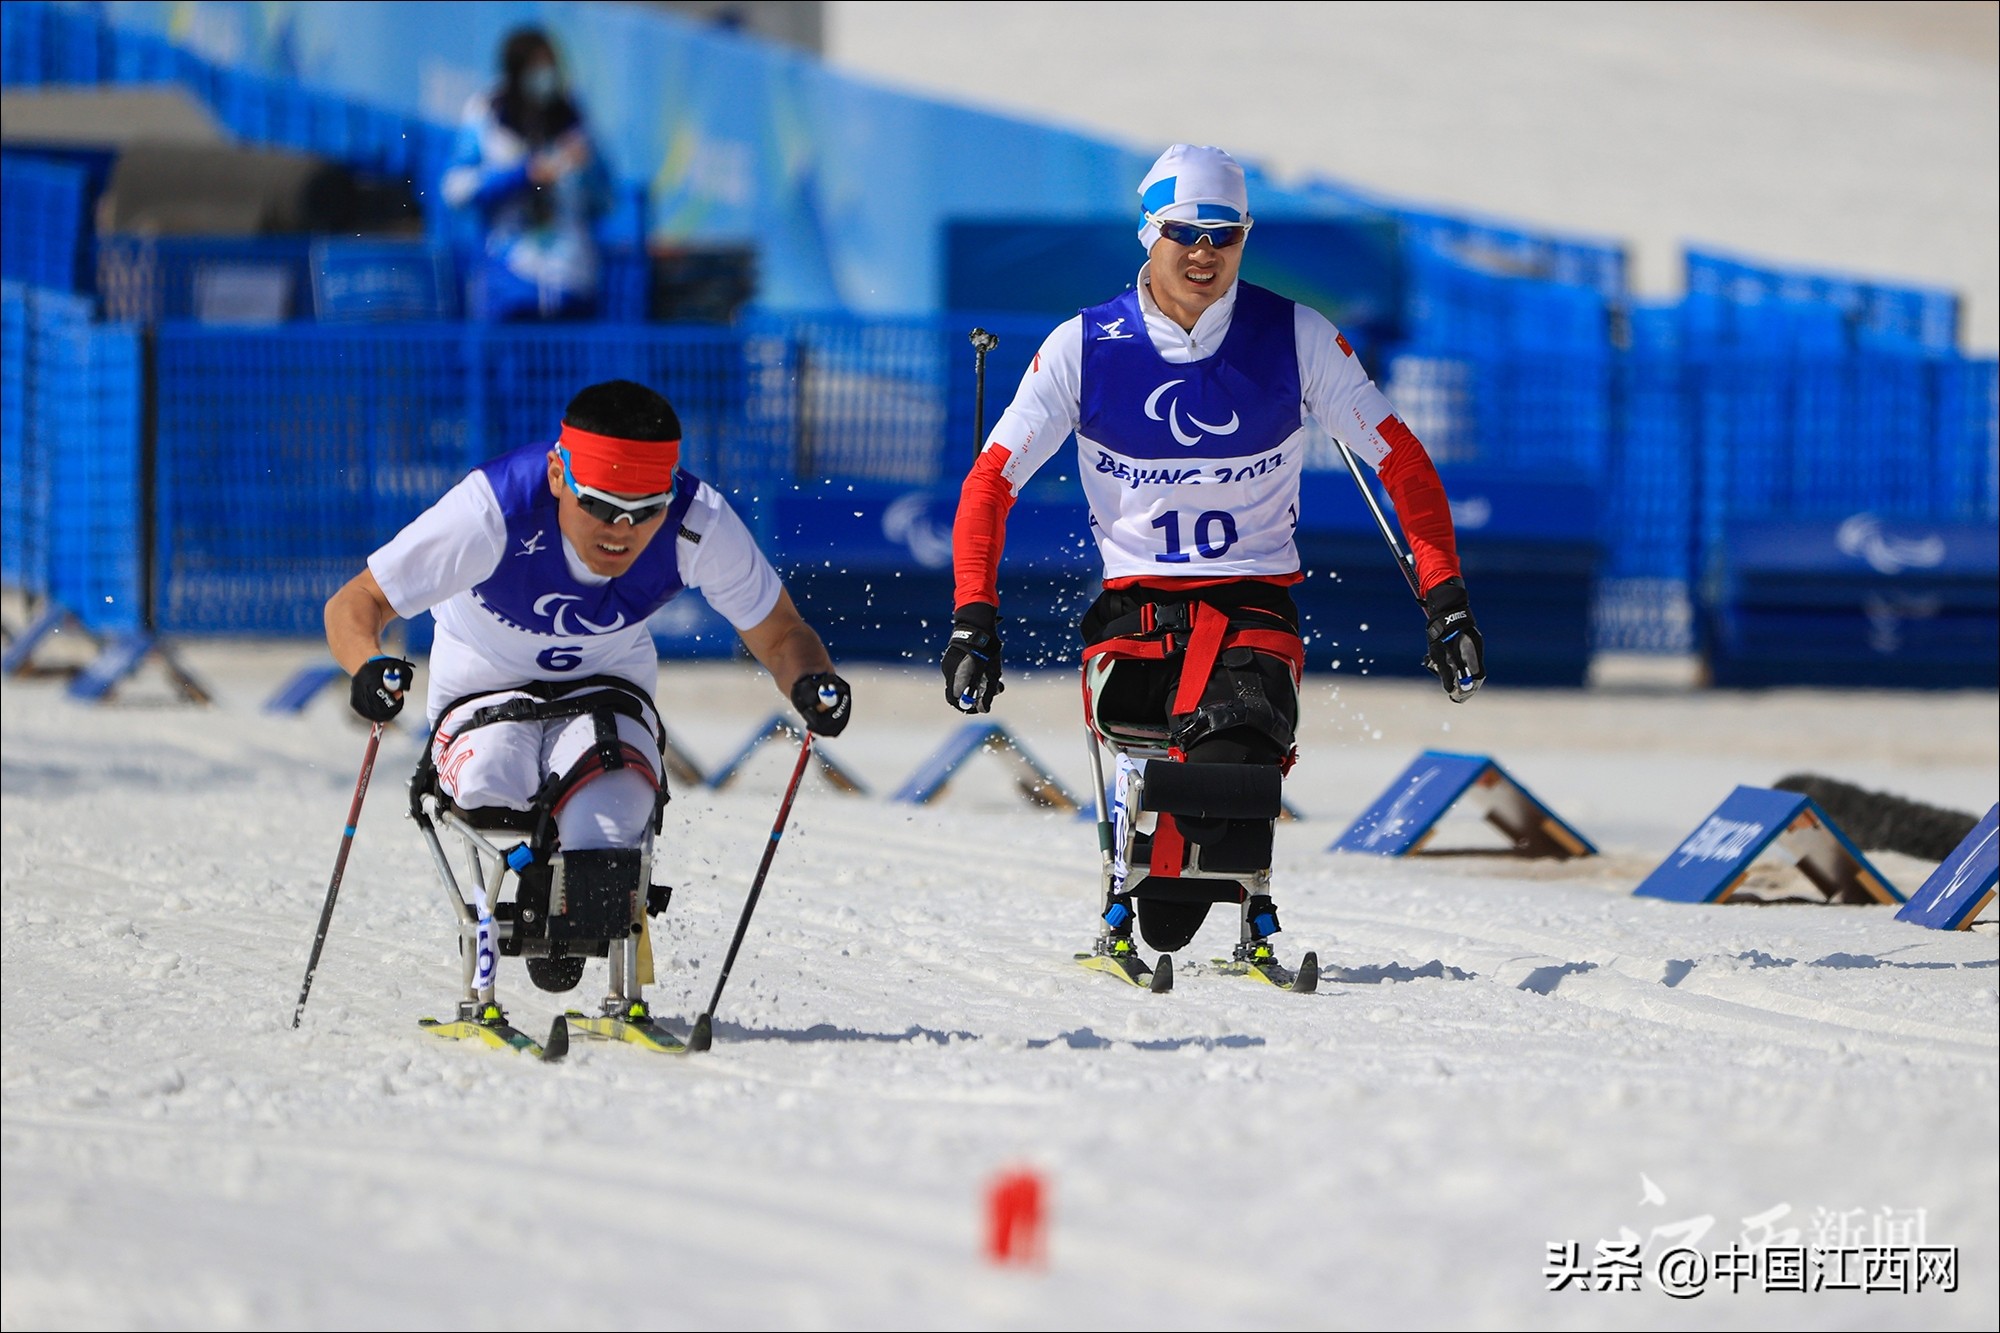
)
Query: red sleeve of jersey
[
  {"x": 1412, "y": 482},
  {"x": 980, "y": 530}
]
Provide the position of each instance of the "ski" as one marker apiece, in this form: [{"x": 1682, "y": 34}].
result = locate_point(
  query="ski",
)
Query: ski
[
  {"x": 1133, "y": 969},
  {"x": 494, "y": 1030},
  {"x": 1305, "y": 981},
  {"x": 635, "y": 1027}
]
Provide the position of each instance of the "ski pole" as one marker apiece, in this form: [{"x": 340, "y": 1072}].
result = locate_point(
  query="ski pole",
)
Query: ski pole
[
  {"x": 982, "y": 343},
  {"x": 703, "y": 1035},
  {"x": 1404, "y": 560},
  {"x": 339, "y": 867}
]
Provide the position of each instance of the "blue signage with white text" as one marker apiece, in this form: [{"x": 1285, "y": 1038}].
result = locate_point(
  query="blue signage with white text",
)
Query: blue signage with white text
[
  {"x": 1711, "y": 862},
  {"x": 1959, "y": 890}
]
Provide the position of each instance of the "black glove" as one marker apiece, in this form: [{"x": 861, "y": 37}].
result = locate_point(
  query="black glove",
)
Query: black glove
[
  {"x": 972, "y": 659},
  {"x": 824, "y": 701},
  {"x": 1457, "y": 652},
  {"x": 377, "y": 691}
]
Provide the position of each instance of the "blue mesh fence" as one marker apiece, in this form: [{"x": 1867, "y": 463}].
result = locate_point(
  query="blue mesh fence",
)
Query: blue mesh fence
[
  {"x": 70, "y": 471},
  {"x": 1462, "y": 308},
  {"x": 95, "y": 496},
  {"x": 23, "y": 516},
  {"x": 1899, "y": 434},
  {"x": 1860, "y": 310},
  {"x": 43, "y": 223},
  {"x": 1500, "y": 249},
  {"x": 1538, "y": 411},
  {"x": 1643, "y": 602},
  {"x": 215, "y": 279},
  {"x": 287, "y": 455},
  {"x": 867, "y": 396}
]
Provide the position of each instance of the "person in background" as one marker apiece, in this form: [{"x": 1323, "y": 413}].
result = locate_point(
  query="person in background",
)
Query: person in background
[{"x": 524, "y": 161}]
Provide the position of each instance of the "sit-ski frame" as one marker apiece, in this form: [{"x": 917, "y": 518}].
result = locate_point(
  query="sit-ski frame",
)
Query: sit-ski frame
[
  {"x": 1112, "y": 855},
  {"x": 480, "y": 933}
]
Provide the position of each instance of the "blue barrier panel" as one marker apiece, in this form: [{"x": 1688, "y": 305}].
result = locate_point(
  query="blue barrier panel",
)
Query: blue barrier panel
[
  {"x": 1545, "y": 410},
  {"x": 1459, "y": 307},
  {"x": 71, "y": 466},
  {"x": 1898, "y": 434},
  {"x": 43, "y": 221},
  {"x": 1406, "y": 814},
  {"x": 1958, "y": 890},
  {"x": 1528, "y": 543},
  {"x": 1501, "y": 248},
  {"x": 1855, "y": 602},
  {"x": 214, "y": 280},
  {"x": 370, "y": 281},
  {"x": 1860, "y": 308},
  {"x": 1349, "y": 268},
  {"x": 22, "y": 515},
  {"x": 873, "y": 561},
  {"x": 1709, "y": 866},
  {"x": 94, "y": 515},
  {"x": 1965, "y": 474},
  {"x": 287, "y": 455}
]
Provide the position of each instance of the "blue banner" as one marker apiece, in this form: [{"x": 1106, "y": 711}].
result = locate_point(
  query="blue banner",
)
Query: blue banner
[{"x": 1869, "y": 546}]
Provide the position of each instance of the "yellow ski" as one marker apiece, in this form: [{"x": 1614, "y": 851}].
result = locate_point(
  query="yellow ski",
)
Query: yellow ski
[
  {"x": 635, "y": 1026},
  {"x": 492, "y": 1028}
]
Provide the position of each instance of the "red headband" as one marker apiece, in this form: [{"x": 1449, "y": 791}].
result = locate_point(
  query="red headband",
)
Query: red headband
[{"x": 623, "y": 467}]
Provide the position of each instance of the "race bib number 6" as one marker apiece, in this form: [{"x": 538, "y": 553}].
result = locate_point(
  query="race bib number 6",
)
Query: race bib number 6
[{"x": 567, "y": 658}]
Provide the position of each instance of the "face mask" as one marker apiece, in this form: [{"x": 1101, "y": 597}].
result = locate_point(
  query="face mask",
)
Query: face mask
[{"x": 542, "y": 83}]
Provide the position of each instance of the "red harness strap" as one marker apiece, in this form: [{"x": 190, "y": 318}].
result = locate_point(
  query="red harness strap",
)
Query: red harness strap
[
  {"x": 1208, "y": 635},
  {"x": 1211, "y": 623}
]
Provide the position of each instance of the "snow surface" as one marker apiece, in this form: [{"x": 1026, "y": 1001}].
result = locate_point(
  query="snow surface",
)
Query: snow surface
[
  {"x": 1862, "y": 138},
  {"x": 1502, "y": 1049}
]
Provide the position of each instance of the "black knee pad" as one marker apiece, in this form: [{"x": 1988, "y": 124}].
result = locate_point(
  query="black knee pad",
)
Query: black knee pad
[{"x": 1247, "y": 715}]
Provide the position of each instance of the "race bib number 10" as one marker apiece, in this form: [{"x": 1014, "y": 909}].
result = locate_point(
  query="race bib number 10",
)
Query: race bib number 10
[{"x": 1214, "y": 533}]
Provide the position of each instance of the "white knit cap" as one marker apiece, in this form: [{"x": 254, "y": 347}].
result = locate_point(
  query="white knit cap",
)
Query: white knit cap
[{"x": 1192, "y": 184}]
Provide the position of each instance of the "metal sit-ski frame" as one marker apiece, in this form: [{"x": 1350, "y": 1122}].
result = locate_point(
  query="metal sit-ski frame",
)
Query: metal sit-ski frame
[
  {"x": 1148, "y": 781},
  {"x": 583, "y": 915}
]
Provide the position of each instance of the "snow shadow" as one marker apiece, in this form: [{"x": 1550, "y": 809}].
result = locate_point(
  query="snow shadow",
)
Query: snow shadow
[
  {"x": 1757, "y": 959},
  {"x": 1374, "y": 974},
  {"x": 827, "y": 1032},
  {"x": 1086, "y": 1039},
  {"x": 1869, "y": 960},
  {"x": 1544, "y": 980},
  {"x": 29, "y": 777}
]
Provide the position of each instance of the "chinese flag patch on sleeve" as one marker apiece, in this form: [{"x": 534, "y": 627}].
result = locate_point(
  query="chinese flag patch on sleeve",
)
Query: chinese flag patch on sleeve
[{"x": 1345, "y": 346}]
